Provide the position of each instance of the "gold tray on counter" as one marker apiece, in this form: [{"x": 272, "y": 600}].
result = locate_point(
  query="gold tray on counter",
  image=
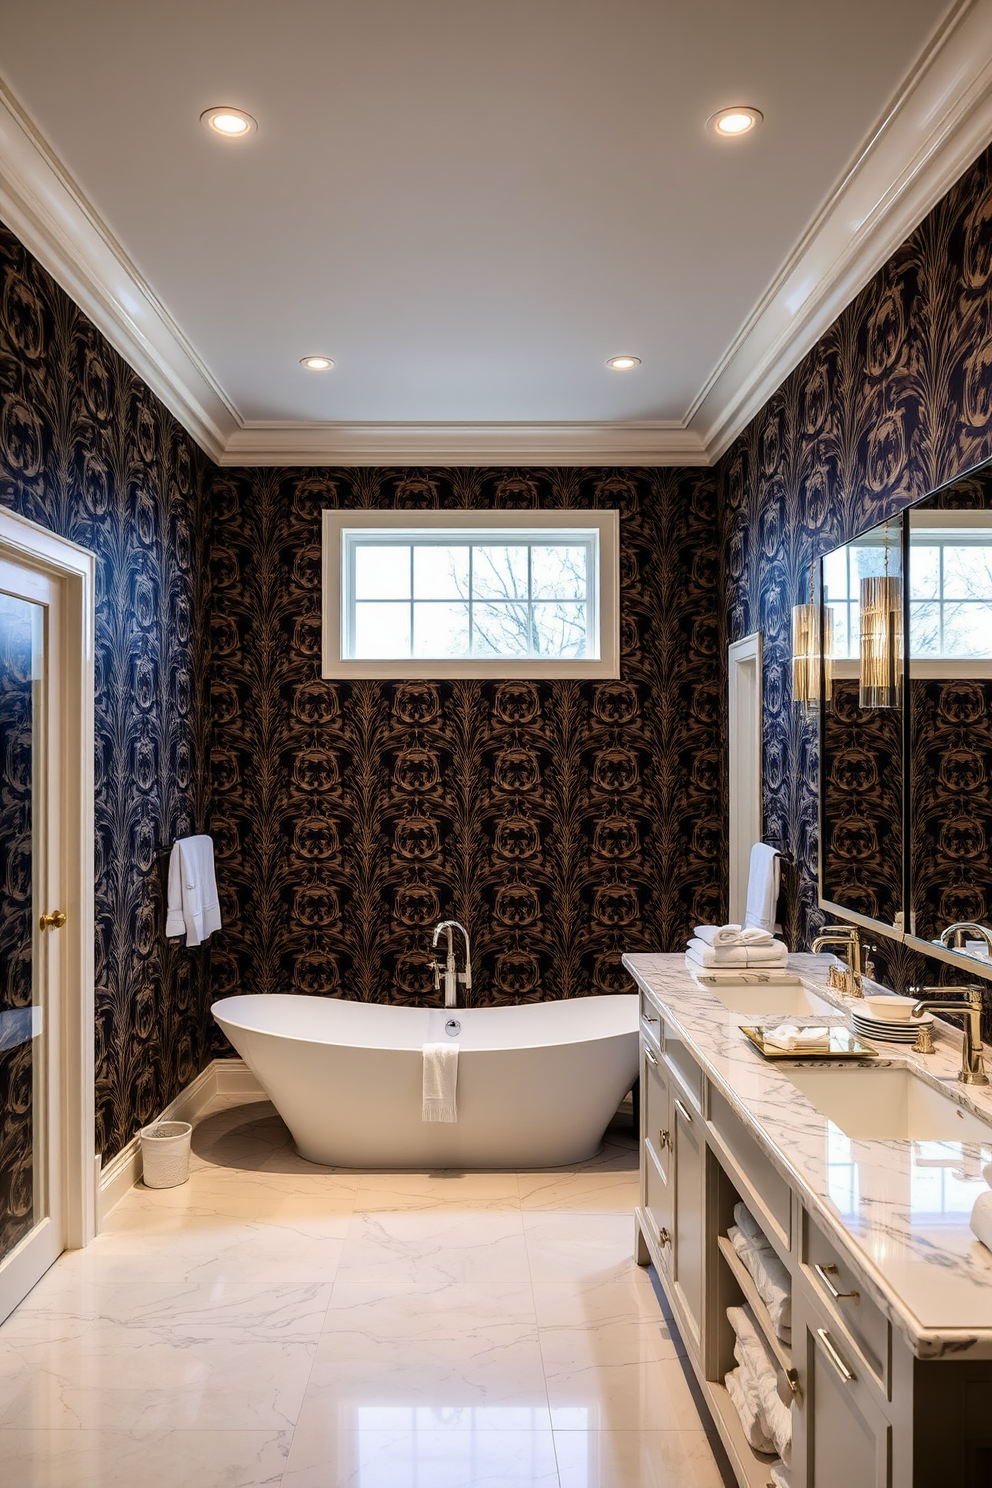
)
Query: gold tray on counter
[{"x": 843, "y": 1045}]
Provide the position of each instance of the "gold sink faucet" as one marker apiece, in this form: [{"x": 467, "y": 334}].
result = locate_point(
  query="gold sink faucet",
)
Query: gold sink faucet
[
  {"x": 849, "y": 981},
  {"x": 970, "y": 1004}
]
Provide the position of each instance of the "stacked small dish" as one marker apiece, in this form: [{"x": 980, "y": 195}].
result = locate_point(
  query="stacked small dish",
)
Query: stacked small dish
[{"x": 890, "y": 1019}]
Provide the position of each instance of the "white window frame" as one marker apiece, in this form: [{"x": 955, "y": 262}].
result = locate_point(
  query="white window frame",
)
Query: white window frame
[{"x": 604, "y": 590}]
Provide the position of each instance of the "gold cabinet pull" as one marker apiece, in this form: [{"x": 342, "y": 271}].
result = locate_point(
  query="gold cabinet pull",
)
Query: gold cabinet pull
[
  {"x": 825, "y": 1273},
  {"x": 664, "y": 1238},
  {"x": 846, "y": 1374},
  {"x": 53, "y": 921}
]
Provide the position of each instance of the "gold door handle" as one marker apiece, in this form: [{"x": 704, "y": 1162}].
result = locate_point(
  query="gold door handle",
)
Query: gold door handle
[{"x": 53, "y": 921}]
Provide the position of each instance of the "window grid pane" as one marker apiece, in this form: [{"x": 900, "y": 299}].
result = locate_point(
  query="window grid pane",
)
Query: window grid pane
[{"x": 498, "y": 615}]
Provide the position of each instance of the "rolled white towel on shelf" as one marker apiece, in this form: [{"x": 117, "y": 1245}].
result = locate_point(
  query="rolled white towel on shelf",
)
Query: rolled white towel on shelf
[
  {"x": 721, "y": 937},
  {"x": 771, "y": 1280},
  {"x": 781, "y": 1476},
  {"x": 761, "y": 1379},
  {"x": 770, "y": 953},
  {"x": 792, "y": 1039},
  {"x": 748, "y": 1413},
  {"x": 440, "y": 1082},
  {"x": 981, "y": 1217}
]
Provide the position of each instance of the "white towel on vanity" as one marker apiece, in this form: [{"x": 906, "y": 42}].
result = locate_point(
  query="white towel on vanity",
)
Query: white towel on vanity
[
  {"x": 762, "y": 887},
  {"x": 792, "y": 1039},
  {"x": 769, "y": 953},
  {"x": 781, "y": 1476},
  {"x": 723, "y": 937},
  {"x": 440, "y": 1082},
  {"x": 193, "y": 906}
]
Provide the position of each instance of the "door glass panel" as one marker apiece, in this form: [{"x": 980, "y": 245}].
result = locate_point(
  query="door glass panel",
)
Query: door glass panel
[{"x": 23, "y": 1201}]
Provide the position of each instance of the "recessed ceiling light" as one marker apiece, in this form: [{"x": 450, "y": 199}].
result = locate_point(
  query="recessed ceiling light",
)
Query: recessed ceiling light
[
  {"x": 623, "y": 363},
  {"x": 232, "y": 123},
  {"x": 316, "y": 363},
  {"x": 730, "y": 122}
]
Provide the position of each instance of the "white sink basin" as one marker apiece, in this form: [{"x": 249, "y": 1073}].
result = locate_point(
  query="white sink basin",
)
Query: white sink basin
[
  {"x": 769, "y": 1000},
  {"x": 888, "y": 1105}
]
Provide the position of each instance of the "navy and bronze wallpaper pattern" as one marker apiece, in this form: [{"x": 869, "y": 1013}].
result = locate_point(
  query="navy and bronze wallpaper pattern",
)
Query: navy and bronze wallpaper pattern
[
  {"x": 563, "y": 822},
  {"x": 87, "y": 451},
  {"x": 892, "y": 402}
]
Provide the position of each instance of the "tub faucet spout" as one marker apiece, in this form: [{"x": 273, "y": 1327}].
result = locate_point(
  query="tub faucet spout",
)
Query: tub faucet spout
[{"x": 451, "y": 975}]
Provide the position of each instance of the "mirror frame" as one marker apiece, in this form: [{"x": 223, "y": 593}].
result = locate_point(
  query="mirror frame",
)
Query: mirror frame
[{"x": 969, "y": 964}]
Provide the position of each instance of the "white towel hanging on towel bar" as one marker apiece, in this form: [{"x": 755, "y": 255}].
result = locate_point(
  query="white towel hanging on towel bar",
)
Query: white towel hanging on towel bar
[{"x": 193, "y": 906}]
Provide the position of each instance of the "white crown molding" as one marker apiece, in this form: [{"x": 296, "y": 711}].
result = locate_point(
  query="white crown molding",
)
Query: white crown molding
[
  {"x": 41, "y": 203},
  {"x": 936, "y": 126},
  {"x": 464, "y": 444},
  {"x": 934, "y": 129}
]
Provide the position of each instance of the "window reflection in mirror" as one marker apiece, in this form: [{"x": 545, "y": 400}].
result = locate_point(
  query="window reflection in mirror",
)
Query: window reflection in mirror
[
  {"x": 950, "y": 669},
  {"x": 861, "y": 797}
]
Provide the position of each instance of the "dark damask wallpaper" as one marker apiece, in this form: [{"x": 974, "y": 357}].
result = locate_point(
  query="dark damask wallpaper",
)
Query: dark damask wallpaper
[
  {"x": 563, "y": 822},
  {"x": 893, "y": 401},
  {"x": 862, "y": 788},
  {"x": 86, "y": 450}
]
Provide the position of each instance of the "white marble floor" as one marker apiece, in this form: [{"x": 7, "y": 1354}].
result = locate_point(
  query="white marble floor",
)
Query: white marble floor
[{"x": 270, "y": 1322}]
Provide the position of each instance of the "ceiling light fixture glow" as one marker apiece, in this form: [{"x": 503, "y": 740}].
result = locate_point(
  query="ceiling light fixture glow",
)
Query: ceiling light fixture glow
[
  {"x": 730, "y": 123},
  {"x": 316, "y": 363},
  {"x": 623, "y": 363},
  {"x": 230, "y": 123}
]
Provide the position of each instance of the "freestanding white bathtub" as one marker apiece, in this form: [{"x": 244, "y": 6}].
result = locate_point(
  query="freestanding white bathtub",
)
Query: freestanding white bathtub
[{"x": 537, "y": 1084}]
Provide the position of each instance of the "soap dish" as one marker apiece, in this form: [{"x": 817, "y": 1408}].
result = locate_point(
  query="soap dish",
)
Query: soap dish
[{"x": 843, "y": 1045}]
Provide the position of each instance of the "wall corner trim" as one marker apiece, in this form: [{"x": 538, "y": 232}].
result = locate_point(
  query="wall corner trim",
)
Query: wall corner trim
[
  {"x": 934, "y": 128},
  {"x": 221, "y": 1077}
]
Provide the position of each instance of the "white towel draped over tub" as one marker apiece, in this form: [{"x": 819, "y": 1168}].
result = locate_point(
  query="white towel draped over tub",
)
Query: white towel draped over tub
[
  {"x": 193, "y": 905},
  {"x": 440, "y": 1082}
]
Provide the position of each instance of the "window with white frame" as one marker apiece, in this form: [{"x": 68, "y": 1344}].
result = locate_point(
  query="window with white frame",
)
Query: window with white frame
[
  {"x": 950, "y": 587},
  {"x": 458, "y": 594}
]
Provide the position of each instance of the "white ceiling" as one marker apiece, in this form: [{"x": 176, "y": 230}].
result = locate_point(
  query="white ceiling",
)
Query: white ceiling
[{"x": 471, "y": 206}]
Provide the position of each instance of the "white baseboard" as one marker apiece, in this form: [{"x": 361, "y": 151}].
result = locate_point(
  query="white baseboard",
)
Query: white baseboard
[{"x": 221, "y": 1077}]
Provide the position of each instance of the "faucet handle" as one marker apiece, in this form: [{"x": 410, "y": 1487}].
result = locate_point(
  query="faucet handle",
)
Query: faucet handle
[{"x": 436, "y": 969}]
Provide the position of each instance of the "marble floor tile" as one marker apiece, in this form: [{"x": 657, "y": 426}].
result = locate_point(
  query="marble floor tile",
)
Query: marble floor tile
[
  {"x": 500, "y": 1379},
  {"x": 417, "y": 1447},
  {"x": 585, "y": 1273},
  {"x": 126, "y": 1378},
  {"x": 272, "y": 1322},
  {"x": 447, "y": 1189},
  {"x": 636, "y": 1459},
  {"x": 617, "y": 1376},
  {"x": 158, "y": 1459}
]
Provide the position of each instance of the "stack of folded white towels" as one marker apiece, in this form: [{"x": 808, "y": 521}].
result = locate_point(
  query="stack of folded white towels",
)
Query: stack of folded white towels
[
  {"x": 757, "y": 1387},
  {"x": 981, "y": 1214},
  {"x": 713, "y": 946},
  {"x": 754, "y": 1388},
  {"x": 770, "y": 1277}
]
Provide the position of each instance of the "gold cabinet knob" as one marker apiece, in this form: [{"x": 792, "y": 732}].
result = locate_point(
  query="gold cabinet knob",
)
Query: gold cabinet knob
[{"x": 53, "y": 921}]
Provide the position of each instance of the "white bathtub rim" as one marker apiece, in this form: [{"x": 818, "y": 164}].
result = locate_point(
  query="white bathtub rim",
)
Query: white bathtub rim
[{"x": 302, "y": 1038}]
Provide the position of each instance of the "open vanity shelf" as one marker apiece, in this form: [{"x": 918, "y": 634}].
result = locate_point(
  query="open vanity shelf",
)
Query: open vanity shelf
[{"x": 872, "y": 1407}]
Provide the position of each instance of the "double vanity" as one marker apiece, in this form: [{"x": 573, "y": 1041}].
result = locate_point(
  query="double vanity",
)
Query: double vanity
[{"x": 863, "y": 1177}]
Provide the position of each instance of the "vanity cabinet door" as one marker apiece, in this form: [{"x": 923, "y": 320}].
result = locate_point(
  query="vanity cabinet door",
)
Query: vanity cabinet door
[
  {"x": 687, "y": 1231},
  {"x": 656, "y": 1147},
  {"x": 841, "y": 1430}
]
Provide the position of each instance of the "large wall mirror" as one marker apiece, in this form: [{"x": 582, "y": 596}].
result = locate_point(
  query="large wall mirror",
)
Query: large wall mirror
[{"x": 905, "y": 711}]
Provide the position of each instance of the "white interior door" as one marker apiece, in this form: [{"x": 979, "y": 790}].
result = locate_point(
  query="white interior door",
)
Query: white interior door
[
  {"x": 744, "y": 741},
  {"x": 32, "y": 1221}
]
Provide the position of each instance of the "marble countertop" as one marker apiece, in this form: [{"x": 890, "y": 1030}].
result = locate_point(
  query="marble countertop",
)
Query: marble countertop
[{"x": 900, "y": 1208}]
